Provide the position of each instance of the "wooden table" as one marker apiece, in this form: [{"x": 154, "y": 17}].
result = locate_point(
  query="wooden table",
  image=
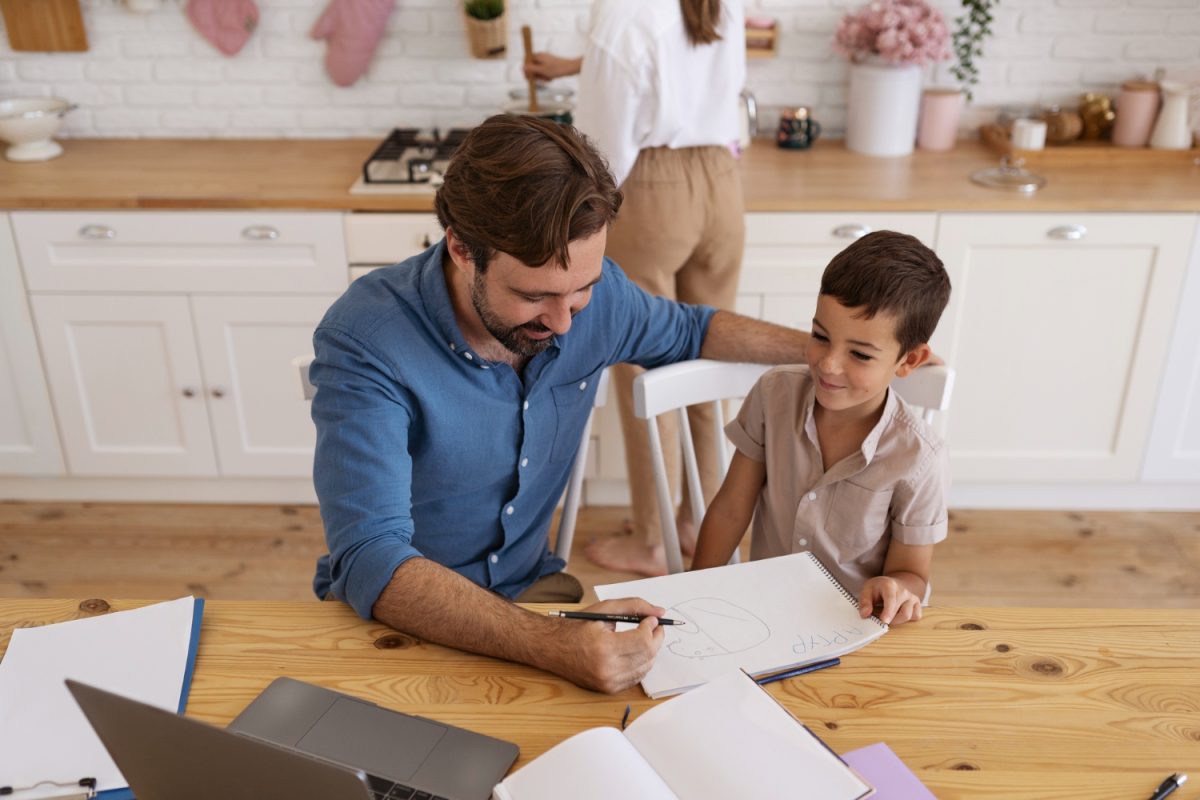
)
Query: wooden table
[{"x": 1012, "y": 703}]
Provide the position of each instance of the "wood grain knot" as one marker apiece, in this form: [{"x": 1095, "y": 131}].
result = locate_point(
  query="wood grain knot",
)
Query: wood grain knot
[
  {"x": 971, "y": 626},
  {"x": 94, "y": 606},
  {"x": 395, "y": 641},
  {"x": 966, "y": 766},
  {"x": 1046, "y": 668},
  {"x": 1002, "y": 648},
  {"x": 833, "y": 726}
]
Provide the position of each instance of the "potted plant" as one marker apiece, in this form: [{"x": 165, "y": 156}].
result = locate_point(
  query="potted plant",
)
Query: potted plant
[
  {"x": 887, "y": 42},
  {"x": 487, "y": 28},
  {"x": 941, "y": 106}
]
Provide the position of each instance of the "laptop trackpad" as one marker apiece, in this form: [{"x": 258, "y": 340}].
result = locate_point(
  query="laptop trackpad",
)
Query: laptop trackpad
[{"x": 376, "y": 740}]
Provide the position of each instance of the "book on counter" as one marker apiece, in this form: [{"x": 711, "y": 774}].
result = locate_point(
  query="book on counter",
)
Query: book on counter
[{"x": 728, "y": 738}]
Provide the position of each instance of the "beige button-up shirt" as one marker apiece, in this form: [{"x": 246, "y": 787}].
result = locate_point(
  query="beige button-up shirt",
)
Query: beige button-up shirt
[{"x": 895, "y": 486}]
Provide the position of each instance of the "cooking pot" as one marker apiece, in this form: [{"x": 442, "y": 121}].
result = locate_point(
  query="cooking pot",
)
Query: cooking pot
[{"x": 553, "y": 103}]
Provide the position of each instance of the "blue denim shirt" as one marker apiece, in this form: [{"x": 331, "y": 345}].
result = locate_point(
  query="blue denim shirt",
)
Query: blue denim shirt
[{"x": 426, "y": 449}]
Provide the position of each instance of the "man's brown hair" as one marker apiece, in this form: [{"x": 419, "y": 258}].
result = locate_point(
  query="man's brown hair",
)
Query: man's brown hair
[
  {"x": 700, "y": 18},
  {"x": 527, "y": 187},
  {"x": 893, "y": 273}
]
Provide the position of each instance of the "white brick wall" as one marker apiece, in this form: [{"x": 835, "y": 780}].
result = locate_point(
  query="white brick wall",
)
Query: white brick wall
[{"x": 152, "y": 75}]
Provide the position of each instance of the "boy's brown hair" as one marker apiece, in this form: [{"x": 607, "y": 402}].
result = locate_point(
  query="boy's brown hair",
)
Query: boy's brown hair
[
  {"x": 893, "y": 273},
  {"x": 527, "y": 187}
]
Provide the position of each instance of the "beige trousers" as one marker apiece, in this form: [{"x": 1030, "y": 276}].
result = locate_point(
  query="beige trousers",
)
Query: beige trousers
[{"x": 680, "y": 234}]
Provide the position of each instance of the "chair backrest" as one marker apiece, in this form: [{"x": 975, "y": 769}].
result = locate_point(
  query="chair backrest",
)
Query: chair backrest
[
  {"x": 677, "y": 386},
  {"x": 574, "y": 492}
]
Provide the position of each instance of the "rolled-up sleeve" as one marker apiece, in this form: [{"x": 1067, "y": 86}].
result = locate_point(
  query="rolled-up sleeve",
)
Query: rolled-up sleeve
[
  {"x": 748, "y": 430},
  {"x": 362, "y": 470},
  {"x": 919, "y": 512},
  {"x": 648, "y": 330}
]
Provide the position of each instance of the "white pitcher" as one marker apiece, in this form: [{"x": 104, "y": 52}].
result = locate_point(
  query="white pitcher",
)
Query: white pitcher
[{"x": 1172, "y": 131}]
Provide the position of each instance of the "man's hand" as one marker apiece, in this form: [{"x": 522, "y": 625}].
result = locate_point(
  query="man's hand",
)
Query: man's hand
[
  {"x": 595, "y": 656},
  {"x": 899, "y": 604},
  {"x": 547, "y": 67}
]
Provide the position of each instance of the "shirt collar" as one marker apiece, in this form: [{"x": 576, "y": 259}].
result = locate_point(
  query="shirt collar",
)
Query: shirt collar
[{"x": 870, "y": 443}]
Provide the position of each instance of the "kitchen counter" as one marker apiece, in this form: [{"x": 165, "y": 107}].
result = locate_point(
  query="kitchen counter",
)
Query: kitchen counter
[{"x": 316, "y": 174}]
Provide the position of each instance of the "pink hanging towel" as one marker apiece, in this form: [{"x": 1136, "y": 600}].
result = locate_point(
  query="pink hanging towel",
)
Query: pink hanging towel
[
  {"x": 353, "y": 28},
  {"x": 226, "y": 24}
]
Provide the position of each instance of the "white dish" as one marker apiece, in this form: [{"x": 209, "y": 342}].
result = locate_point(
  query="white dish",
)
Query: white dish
[{"x": 28, "y": 123}]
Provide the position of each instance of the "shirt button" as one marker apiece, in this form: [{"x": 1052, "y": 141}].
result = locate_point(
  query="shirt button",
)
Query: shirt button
[
  {"x": 812, "y": 495},
  {"x": 469, "y": 356},
  {"x": 509, "y": 510},
  {"x": 453, "y": 346},
  {"x": 526, "y": 405},
  {"x": 583, "y": 386},
  {"x": 524, "y": 462},
  {"x": 484, "y": 366},
  {"x": 494, "y": 558},
  {"x": 804, "y": 542}
]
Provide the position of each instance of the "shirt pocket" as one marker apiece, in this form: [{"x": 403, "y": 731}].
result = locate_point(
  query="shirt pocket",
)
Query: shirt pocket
[
  {"x": 859, "y": 518},
  {"x": 572, "y": 405}
]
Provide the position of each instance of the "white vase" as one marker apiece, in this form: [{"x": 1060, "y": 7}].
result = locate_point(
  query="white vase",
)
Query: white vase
[
  {"x": 882, "y": 106},
  {"x": 1172, "y": 131}
]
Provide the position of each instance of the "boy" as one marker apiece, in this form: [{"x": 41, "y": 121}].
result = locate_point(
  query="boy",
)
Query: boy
[{"x": 828, "y": 459}]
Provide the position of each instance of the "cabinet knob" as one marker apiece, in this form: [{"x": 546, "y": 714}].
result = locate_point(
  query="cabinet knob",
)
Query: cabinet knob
[
  {"x": 189, "y": 391},
  {"x": 1070, "y": 233},
  {"x": 851, "y": 231},
  {"x": 260, "y": 233},
  {"x": 97, "y": 232},
  {"x": 426, "y": 242},
  {"x": 218, "y": 391}
]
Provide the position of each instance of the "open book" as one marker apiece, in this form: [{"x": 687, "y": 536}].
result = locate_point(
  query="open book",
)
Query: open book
[
  {"x": 761, "y": 616},
  {"x": 727, "y": 739}
]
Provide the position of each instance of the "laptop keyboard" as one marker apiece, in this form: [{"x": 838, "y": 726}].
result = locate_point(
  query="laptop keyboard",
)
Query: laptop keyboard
[{"x": 383, "y": 789}]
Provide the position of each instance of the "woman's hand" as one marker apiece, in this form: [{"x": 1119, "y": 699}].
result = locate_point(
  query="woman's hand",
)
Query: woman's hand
[{"x": 547, "y": 66}]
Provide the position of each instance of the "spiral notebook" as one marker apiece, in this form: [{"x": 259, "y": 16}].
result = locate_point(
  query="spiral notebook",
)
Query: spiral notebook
[{"x": 761, "y": 616}]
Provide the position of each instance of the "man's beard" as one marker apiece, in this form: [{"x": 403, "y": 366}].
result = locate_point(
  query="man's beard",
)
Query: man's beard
[{"x": 512, "y": 338}]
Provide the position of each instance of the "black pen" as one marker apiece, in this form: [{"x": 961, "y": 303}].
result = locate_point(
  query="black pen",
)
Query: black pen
[
  {"x": 791, "y": 673},
  {"x": 634, "y": 618},
  {"x": 1169, "y": 785}
]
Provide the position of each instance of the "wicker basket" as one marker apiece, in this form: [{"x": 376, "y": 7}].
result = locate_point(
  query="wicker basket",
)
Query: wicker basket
[{"x": 488, "y": 38}]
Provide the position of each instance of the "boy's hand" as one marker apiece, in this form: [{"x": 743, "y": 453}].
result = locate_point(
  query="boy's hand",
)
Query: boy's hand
[{"x": 898, "y": 603}]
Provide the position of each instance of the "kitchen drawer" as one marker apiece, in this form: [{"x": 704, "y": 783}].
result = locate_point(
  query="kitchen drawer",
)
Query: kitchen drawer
[
  {"x": 181, "y": 251},
  {"x": 382, "y": 239}
]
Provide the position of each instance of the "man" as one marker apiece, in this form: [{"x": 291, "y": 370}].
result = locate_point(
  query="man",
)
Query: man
[{"x": 452, "y": 390}]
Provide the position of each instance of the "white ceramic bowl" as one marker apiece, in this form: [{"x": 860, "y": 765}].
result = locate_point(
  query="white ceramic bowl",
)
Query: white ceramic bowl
[{"x": 27, "y": 123}]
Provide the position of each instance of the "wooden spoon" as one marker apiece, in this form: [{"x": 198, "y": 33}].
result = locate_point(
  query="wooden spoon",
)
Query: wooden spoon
[{"x": 527, "y": 38}]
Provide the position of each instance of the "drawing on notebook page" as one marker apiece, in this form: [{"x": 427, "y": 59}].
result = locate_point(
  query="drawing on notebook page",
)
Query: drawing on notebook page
[
  {"x": 714, "y": 627},
  {"x": 808, "y": 643}
]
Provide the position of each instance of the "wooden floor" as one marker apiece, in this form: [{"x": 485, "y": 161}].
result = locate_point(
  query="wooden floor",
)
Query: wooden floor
[{"x": 1017, "y": 558}]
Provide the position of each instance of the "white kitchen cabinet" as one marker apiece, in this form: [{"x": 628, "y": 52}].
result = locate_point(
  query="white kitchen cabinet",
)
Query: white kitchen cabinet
[
  {"x": 260, "y": 420},
  {"x": 780, "y": 281},
  {"x": 28, "y": 437},
  {"x": 1173, "y": 454},
  {"x": 126, "y": 383},
  {"x": 1058, "y": 328}
]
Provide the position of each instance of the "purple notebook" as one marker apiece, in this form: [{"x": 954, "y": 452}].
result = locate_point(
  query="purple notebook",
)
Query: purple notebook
[{"x": 887, "y": 773}]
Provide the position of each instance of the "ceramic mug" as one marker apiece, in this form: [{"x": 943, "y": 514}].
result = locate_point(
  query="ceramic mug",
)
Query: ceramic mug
[{"x": 797, "y": 129}]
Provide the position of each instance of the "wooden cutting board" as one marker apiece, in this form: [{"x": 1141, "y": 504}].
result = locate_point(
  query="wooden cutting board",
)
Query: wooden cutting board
[{"x": 44, "y": 25}]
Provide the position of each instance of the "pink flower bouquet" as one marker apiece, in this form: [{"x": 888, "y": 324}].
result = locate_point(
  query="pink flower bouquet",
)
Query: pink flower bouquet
[{"x": 897, "y": 31}]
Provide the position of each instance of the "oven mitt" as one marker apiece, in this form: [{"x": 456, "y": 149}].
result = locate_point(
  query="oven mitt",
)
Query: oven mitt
[
  {"x": 353, "y": 29},
  {"x": 226, "y": 24}
]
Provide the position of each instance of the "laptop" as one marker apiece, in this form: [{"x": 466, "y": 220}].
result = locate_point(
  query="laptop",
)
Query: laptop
[
  {"x": 405, "y": 757},
  {"x": 166, "y": 756}
]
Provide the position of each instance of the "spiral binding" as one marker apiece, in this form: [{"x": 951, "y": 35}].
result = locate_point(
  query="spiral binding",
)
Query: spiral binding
[{"x": 833, "y": 579}]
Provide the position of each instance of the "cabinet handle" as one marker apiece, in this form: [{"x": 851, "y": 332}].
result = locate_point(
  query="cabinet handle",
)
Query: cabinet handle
[
  {"x": 218, "y": 392},
  {"x": 426, "y": 242},
  {"x": 851, "y": 231},
  {"x": 189, "y": 391},
  {"x": 260, "y": 233},
  {"x": 97, "y": 232},
  {"x": 1069, "y": 233}
]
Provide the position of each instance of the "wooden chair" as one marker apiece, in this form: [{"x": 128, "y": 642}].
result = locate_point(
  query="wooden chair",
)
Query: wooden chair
[
  {"x": 574, "y": 493},
  {"x": 677, "y": 386}
]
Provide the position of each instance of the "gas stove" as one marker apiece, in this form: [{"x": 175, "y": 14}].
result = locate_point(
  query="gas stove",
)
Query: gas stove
[{"x": 409, "y": 160}]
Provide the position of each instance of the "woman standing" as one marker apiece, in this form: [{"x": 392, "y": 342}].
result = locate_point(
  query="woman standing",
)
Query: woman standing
[{"x": 658, "y": 94}]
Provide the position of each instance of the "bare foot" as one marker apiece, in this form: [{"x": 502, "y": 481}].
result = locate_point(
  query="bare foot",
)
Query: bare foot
[{"x": 627, "y": 554}]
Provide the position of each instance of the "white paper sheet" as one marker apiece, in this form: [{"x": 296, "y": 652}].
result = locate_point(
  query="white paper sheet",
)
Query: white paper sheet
[
  {"x": 141, "y": 653},
  {"x": 760, "y": 616}
]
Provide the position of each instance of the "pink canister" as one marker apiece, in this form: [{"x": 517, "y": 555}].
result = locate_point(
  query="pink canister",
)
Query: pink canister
[{"x": 1137, "y": 106}]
